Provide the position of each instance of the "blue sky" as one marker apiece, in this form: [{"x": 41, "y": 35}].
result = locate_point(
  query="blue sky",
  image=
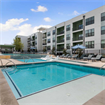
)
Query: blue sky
[{"x": 23, "y": 17}]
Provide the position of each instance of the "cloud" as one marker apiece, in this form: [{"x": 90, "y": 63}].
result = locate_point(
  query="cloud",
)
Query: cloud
[
  {"x": 76, "y": 13},
  {"x": 47, "y": 19},
  {"x": 24, "y": 29},
  {"x": 11, "y": 24},
  {"x": 60, "y": 13},
  {"x": 40, "y": 9},
  {"x": 27, "y": 29}
]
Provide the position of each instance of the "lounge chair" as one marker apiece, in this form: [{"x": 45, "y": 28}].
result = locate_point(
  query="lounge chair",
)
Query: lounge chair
[
  {"x": 70, "y": 56},
  {"x": 66, "y": 56},
  {"x": 75, "y": 56},
  {"x": 54, "y": 59},
  {"x": 62, "y": 55},
  {"x": 98, "y": 57},
  {"x": 88, "y": 58}
]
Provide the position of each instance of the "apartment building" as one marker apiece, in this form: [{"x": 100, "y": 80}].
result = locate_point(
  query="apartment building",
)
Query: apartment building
[
  {"x": 87, "y": 29},
  {"x": 32, "y": 42}
]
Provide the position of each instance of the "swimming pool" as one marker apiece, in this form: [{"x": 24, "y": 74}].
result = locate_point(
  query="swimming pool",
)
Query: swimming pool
[
  {"x": 30, "y": 60},
  {"x": 29, "y": 79}
]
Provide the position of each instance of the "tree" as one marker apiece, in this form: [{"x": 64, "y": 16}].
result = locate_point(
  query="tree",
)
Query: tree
[
  {"x": 44, "y": 49},
  {"x": 53, "y": 50},
  {"x": 18, "y": 44},
  {"x": 64, "y": 51}
]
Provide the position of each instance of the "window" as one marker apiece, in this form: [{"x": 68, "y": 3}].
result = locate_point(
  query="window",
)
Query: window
[
  {"x": 68, "y": 28},
  {"x": 89, "y": 44},
  {"x": 103, "y": 16},
  {"x": 89, "y": 32},
  {"x": 48, "y": 41},
  {"x": 53, "y": 32},
  {"x": 68, "y": 37},
  {"x": 48, "y": 33},
  {"x": 102, "y": 43},
  {"x": 90, "y": 21},
  {"x": 102, "y": 30},
  {"x": 68, "y": 46}
]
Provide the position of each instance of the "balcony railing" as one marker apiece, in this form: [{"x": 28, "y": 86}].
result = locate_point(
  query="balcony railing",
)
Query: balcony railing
[
  {"x": 103, "y": 18},
  {"x": 67, "y": 38},
  {"x": 53, "y": 33},
  {"x": 48, "y": 34},
  {"x": 61, "y": 32},
  {"x": 90, "y": 46},
  {"x": 48, "y": 48},
  {"x": 60, "y": 41},
  {"x": 79, "y": 38},
  {"x": 78, "y": 28},
  {"x": 102, "y": 32},
  {"x": 44, "y": 37},
  {"x": 103, "y": 45},
  {"x": 60, "y": 49}
]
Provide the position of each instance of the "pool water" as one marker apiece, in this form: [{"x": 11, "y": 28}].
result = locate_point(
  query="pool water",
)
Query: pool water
[
  {"x": 30, "y": 60},
  {"x": 36, "y": 77}
]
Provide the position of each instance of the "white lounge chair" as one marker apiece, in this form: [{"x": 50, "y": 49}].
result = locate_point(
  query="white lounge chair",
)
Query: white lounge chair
[
  {"x": 44, "y": 58},
  {"x": 54, "y": 59}
]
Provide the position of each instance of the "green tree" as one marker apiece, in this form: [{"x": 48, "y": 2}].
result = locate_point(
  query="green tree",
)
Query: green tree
[
  {"x": 18, "y": 44},
  {"x": 64, "y": 51},
  {"x": 53, "y": 50}
]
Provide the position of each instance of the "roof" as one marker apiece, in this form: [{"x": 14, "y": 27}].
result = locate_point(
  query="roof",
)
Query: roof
[
  {"x": 7, "y": 46},
  {"x": 41, "y": 28}
]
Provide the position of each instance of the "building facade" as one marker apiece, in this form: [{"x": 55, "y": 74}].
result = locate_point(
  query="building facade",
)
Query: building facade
[{"x": 87, "y": 29}]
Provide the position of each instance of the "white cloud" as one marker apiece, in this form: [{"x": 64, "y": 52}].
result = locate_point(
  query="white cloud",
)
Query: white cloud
[
  {"x": 40, "y": 9},
  {"x": 60, "y": 13},
  {"x": 27, "y": 29},
  {"x": 47, "y": 19},
  {"x": 76, "y": 13},
  {"x": 11, "y": 24},
  {"x": 24, "y": 29}
]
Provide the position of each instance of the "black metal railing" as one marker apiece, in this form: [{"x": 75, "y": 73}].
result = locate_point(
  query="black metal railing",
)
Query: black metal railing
[
  {"x": 60, "y": 32},
  {"x": 48, "y": 41},
  {"x": 44, "y": 43},
  {"x": 102, "y": 32},
  {"x": 60, "y": 49},
  {"x": 68, "y": 47},
  {"x": 60, "y": 40},
  {"x": 79, "y": 38},
  {"x": 78, "y": 28}
]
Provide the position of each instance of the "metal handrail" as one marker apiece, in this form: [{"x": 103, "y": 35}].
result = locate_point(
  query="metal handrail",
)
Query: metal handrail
[
  {"x": 9, "y": 62},
  {"x": 102, "y": 66},
  {"x": 28, "y": 58}
]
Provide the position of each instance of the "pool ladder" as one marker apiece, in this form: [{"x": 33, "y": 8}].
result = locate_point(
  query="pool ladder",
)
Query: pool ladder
[
  {"x": 28, "y": 58},
  {"x": 102, "y": 66},
  {"x": 7, "y": 63}
]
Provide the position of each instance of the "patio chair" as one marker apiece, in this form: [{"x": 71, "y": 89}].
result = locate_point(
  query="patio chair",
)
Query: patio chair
[
  {"x": 70, "y": 56},
  {"x": 62, "y": 55},
  {"x": 88, "y": 58},
  {"x": 66, "y": 56},
  {"x": 98, "y": 57},
  {"x": 75, "y": 56}
]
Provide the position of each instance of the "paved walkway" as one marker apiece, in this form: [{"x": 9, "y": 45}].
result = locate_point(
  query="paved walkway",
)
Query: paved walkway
[{"x": 6, "y": 95}]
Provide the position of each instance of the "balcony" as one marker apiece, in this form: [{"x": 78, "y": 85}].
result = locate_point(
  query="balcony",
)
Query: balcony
[
  {"x": 60, "y": 30},
  {"x": 102, "y": 32},
  {"x": 103, "y": 45},
  {"x": 48, "y": 34},
  {"x": 53, "y": 33},
  {"x": 44, "y": 36},
  {"x": 78, "y": 38},
  {"x": 60, "y": 48},
  {"x": 103, "y": 18},
  {"x": 60, "y": 41},
  {"x": 78, "y": 25}
]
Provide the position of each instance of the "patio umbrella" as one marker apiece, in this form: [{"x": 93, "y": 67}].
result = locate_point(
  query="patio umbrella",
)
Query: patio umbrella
[{"x": 78, "y": 47}]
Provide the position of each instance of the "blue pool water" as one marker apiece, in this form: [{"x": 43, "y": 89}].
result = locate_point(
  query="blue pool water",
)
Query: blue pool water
[
  {"x": 36, "y": 77},
  {"x": 30, "y": 60}
]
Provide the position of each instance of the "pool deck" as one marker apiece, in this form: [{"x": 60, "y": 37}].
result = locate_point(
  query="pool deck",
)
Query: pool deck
[
  {"x": 6, "y": 95},
  {"x": 89, "y": 90}
]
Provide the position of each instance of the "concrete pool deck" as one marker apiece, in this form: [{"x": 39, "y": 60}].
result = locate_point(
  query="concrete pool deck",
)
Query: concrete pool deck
[{"x": 77, "y": 92}]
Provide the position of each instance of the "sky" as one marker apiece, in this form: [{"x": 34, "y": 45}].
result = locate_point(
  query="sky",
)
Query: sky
[{"x": 24, "y": 17}]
